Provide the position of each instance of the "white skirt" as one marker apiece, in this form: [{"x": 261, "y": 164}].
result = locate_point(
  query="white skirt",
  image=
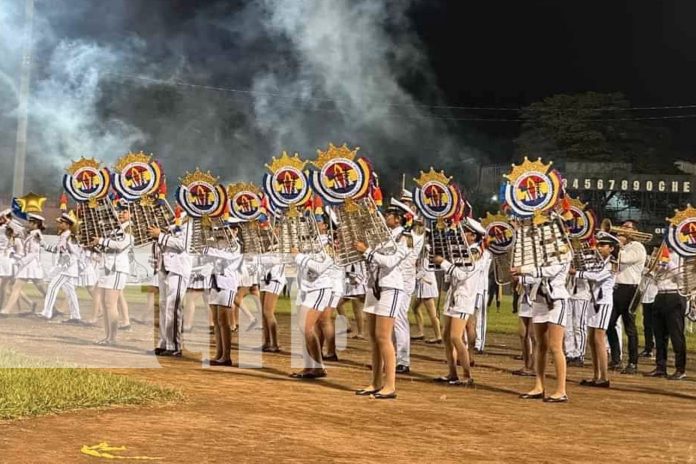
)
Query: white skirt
[
  {"x": 88, "y": 277},
  {"x": 316, "y": 299},
  {"x": 113, "y": 280},
  {"x": 427, "y": 288},
  {"x": 556, "y": 315},
  {"x": 599, "y": 316},
  {"x": 273, "y": 287},
  {"x": 223, "y": 297},
  {"x": 6, "y": 267},
  {"x": 389, "y": 303},
  {"x": 31, "y": 271}
]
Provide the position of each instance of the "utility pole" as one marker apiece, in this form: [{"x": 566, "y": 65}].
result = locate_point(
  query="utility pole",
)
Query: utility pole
[{"x": 23, "y": 101}]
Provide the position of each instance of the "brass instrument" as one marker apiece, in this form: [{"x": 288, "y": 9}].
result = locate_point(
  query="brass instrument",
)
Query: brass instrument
[
  {"x": 686, "y": 277},
  {"x": 359, "y": 220},
  {"x": 96, "y": 218},
  {"x": 642, "y": 237}
]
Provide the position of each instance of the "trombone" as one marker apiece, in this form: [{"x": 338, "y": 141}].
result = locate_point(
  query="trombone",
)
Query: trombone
[{"x": 638, "y": 236}]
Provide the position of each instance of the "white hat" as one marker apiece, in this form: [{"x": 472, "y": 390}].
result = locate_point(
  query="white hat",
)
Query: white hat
[
  {"x": 406, "y": 195},
  {"x": 67, "y": 218},
  {"x": 35, "y": 217},
  {"x": 605, "y": 237},
  {"x": 6, "y": 212},
  {"x": 396, "y": 204},
  {"x": 474, "y": 226}
]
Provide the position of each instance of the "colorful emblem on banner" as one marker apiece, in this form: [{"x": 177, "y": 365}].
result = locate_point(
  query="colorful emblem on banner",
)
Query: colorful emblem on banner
[
  {"x": 436, "y": 196},
  {"x": 500, "y": 235},
  {"x": 136, "y": 175},
  {"x": 245, "y": 201},
  {"x": 287, "y": 184},
  {"x": 341, "y": 175},
  {"x": 532, "y": 186},
  {"x": 200, "y": 195},
  {"x": 582, "y": 223},
  {"x": 86, "y": 180},
  {"x": 681, "y": 234}
]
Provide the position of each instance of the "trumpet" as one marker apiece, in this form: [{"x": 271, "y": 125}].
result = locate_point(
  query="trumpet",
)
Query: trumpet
[{"x": 638, "y": 236}]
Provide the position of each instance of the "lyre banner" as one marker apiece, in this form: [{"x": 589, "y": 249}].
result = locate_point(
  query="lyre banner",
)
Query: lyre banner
[
  {"x": 88, "y": 183},
  {"x": 532, "y": 187},
  {"x": 681, "y": 233},
  {"x": 287, "y": 182},
  {"x": 138, "y": 180}
]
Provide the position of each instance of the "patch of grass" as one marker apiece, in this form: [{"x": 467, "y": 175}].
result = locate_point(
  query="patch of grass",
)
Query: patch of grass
[{"x": 32, "y": 390}]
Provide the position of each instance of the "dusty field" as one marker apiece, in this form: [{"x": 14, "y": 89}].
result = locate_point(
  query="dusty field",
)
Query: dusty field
[{"x": 261, "y": 415}]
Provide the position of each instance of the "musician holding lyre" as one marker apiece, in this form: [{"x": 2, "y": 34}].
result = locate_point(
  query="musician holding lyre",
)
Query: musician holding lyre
[{"x": 602, "y": 298}]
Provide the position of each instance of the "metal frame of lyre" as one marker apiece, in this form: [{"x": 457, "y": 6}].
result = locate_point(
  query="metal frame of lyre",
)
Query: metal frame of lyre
[{"x": 540, "y": 241}]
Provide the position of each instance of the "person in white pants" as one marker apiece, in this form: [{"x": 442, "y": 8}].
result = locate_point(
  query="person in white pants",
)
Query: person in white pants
[
  {"x": 68, "y": 252},
  {"x": 174, "y": 271},
  {"x": 575, "y": 342},
  {"x": 402, "y": 327},
  {"x": 483, "y": 267}
]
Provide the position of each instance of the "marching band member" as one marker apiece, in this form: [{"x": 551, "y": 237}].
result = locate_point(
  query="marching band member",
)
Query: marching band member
[
  {"x": 272, "y": 272},
  {"x": 248, "y": 285},
  {"x": 5, "y": 261},
  {"x": 382, "y": 302},
  {"x": 483, "y": 268},
  {"x": 602, "y": 299},
  {"x": 29, "y": 267},
  {"x": 116, "y": 267},
  {"x": 549, "y": 298},
  {"x": 327, "y": 327},
  {"x": 197, "y": 286},
  {"x": 14, "y": 250},
  {"x": 67, "y": 270},
  {"x": 315, "y": 286},
  {"x": 669, "y": 310},
  {"x": 460, "y": 305},
  {"x": 631, "y": 262},
  {"x": 426, "y": 294},
  {"x": 526, "y": 326},
  {"x": 402, "y": 327},
  {"x": 355, "y": 293},
  {"x": 576, "y": 329},
  {"x": 174, "y": 271},
  {"x": 647, "y": 302},
  {"x": 90, "y": 263},
  {"x": 223, "y": 286}
]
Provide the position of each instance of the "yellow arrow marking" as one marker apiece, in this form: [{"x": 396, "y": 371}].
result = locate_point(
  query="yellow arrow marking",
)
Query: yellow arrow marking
[{"x": 105, "y": 451}]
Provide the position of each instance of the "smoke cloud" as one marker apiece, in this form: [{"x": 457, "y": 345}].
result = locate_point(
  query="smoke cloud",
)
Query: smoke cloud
[{"x": 223, "y": 87}]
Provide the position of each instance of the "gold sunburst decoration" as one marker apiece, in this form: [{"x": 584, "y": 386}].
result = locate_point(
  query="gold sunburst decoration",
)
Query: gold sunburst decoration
[
  {"x": 131, "y": 157},
  {"x": 432, "y": 176},
  {"x": 527, "y": 166},
  {"x": 334, "y": 152},
  {"x": 198, "y": 176},
  {"x": 286, "y": 160},
  {"x": 682, "y": 215},
  {"x": 491, "y": 218},
  {"x": 234, "y": 189},
  {"x": 83, "y": 163},
  {"x": 31, "y": 203}
]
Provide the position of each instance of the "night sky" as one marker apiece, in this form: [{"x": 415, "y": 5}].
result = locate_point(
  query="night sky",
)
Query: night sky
[{"x": 297, "y": 89}]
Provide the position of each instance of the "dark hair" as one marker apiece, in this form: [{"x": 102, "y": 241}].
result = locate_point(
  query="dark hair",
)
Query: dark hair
[
  {"x": 633, "y": 222},
  {"x": 39, "y": 224}
]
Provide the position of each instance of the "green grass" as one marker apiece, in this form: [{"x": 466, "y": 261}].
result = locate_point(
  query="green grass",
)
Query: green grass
[{"x": 32, "y": 389}]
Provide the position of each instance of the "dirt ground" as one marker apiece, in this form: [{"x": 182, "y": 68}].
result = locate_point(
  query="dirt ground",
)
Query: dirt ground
[{"x": 261, "y": 415}]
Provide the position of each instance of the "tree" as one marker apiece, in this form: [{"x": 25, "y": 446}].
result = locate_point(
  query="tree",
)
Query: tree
[{"x": 593, "y": 127}]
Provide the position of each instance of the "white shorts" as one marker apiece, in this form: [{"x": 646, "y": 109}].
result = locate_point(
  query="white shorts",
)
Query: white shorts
[
  {"x": 453, "y": 313},
  {"x": 113, "y": 280},
  {"x": 316, "y": 299},
  {"x": 557, "y": 315},
  {"x": 273, "y": 287},
  {"x": 197, "y": 282},
  {"x": 425, "y": 290},
  {"x": 525, "y": 309},
  {"x": 88, "y": 277},
  {"x": 389, "y": 303},
  {"x": 598, "y": 316},
  {"x": 222, "y": 297},
  {"x": 355, "y": 290}
]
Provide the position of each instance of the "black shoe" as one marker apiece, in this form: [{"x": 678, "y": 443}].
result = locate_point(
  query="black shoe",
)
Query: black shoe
[
  {"x": 601, "y": 384},
  {"x": 445, "y": 379},
  {"x": 125, "y": 327},
  {"x": 364, "y": 392},
  {"x": 678, "y": 375},
  {"x": 615, "y": 366},
  {"x": 215, "y": 362},
  {"x": 524, "y": 373},
  {"x": 156, "y": 351},
  {"x": 630, "y": 369},
  {"x": 532, "y": 396},
  {"x": 587, "y": 382},
  {"x": 462, "y": 383},
  {"x": 434, "y": 341},
  {"x": 478, "y": 351},
  {"x": 401, "y": 369},
  {"x": 333, "y": 358},
  {"x": 560, "y": 399},
  {"x": 170, "y": 353},
  {"x": 656, "y": 373},
  {"x": 646, "y": 354},
  {"x": 384, "y": 396},
  {"x": 72, "y": 321},
  {"x": 420, "y": 337}
]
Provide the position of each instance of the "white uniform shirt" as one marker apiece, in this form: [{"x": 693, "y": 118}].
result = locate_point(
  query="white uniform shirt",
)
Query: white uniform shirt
[
  {"x": 173, "y": 253},
  {"x": 385, "y": 268},
  {"x": 312, "y": 271},
  {"x": 116, "y": 250},
  {"x": 68, "y": 254},
  {"x": 631, "y": 263},
  {"x": 546, "y": 280},
  {"x": 603, "y": 283},
  {"x": 463, "y": 289},
  {"x": 225, "y": 266},
  {"x": 666, "y": 275}
]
